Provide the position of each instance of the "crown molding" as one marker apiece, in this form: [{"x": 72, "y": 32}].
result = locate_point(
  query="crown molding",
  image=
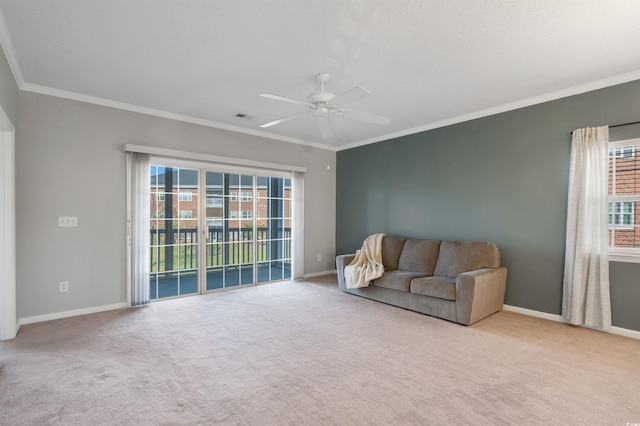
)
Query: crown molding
[
  {"x": 44, "y": 90},
  {"x": 552, "y": 96},
  {"x": 576, "y": 90},
  {"x": 9, "y": 52}
]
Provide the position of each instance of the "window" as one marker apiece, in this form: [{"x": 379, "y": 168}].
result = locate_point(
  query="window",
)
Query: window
[
  {"x": 242, "y": 196},
  {"x": 185, "y": 196},
  {"x": 215, "y": 222},
  {"x": 214, "y": 202},
  {"x": 624, "y": 196},
  {"x": 623, "y": 152},
  {"x": 623, "y": 215},
  {"x": 185, "y": 214},
  {"x": 241, "y": 214}
]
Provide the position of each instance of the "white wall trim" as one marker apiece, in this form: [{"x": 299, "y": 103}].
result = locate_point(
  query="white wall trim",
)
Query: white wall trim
[
  {"x": 8, "y": 304},
  {"x": 319, "y": 274},
  {"x": 74, "y": 313},
  {"x": 624, "y": 258},
  {"x": 43, "y": 90},
  {"x": 174, "y": 153},
  {"x": 9, "y": 51},
  {"x": 558, "y": 318},
  {"x": 576, "y": 90}
]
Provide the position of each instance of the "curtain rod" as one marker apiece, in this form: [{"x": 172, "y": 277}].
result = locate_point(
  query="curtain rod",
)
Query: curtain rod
[
  {"x": 625, "y": 124},
  {"x": 620, "y": 125}
]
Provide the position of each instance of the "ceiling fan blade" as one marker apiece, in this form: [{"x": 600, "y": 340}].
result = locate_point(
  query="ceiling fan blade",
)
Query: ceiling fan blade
[
  {"x": 282, "y": 120},
  {"x": 325, "y": 126},
  {"x": 284, "y": 99},
  {"x": 350, "y": 96},
  {"x": 365, "y": 116}
]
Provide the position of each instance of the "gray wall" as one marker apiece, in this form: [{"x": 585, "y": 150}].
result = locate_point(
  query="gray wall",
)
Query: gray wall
[
  {"x": 70, "y": 163},
  {"x": 501, "y": 178},
  {"x": 8, "y": 90}
]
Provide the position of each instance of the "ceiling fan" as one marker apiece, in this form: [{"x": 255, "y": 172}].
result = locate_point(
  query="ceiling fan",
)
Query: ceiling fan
[{"x": 324, "y": 104}]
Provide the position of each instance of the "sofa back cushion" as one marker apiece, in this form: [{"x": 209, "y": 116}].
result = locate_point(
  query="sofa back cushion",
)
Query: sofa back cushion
[
  {"x": 391, "y": 249},
  {"x": 457, "y": 257},
  {"x": 419, "y": 256}
]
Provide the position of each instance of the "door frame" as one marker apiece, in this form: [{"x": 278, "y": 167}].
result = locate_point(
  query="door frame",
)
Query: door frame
[
  {"x": 8, "y": 302},
  {"x": 203, "y": 167}
]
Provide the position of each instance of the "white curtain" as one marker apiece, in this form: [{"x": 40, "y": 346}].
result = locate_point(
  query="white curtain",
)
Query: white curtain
[
  {"x": 586, "y": 297},
  {"x": 298, "y": 225},
  {"x": 138, "y": 214}
]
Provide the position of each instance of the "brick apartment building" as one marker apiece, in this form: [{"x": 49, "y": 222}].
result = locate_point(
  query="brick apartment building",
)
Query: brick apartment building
[
  {"x": 624, "y": 181},
  {"x": 229, "y": 201}
]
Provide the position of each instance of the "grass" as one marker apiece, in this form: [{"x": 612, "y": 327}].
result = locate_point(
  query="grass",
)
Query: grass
[{"x": 185, "y": 256}]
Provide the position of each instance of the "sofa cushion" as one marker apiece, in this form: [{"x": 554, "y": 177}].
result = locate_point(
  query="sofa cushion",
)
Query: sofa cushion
[
  {"x": 391, "y": 249},
  {"x": 457, "y": 257},
  {"x": 419, "y": 256},
  {"x": 440, "y": 287},
  {"x": 396, "y": 280}
]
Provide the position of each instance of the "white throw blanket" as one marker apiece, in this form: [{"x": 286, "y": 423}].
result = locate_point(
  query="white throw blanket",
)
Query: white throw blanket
[{"x": 367, "y": 265}]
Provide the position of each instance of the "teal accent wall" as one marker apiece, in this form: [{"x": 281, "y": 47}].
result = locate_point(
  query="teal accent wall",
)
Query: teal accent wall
[{"x": 501, "y": 178}]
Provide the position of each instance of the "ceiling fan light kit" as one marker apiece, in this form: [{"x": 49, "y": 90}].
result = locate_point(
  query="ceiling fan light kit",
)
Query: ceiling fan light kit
[{"x": 324, "y": 104}]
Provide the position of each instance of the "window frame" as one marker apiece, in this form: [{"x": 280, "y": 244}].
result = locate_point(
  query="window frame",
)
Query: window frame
[{"x": 622, "y": 254}]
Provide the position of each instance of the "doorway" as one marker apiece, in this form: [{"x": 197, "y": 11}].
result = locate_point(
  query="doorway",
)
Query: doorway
[{"x": 214, "y": 229}]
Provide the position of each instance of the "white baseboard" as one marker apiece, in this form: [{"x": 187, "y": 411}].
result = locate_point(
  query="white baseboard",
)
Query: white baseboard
[
  {"x": 67, "y": 314},
  {"x": 532, "y": 313},
  {"x": 558, "y": 318},
  {"x": 319, "y": 274}
]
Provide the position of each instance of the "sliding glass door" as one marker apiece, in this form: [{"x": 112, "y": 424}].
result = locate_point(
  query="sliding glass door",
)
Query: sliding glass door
[
  {"x": 274, "y": 229},
  {"x": 212, "y": 230},
  {"x": 174, "y": 231},
  {"x": 230, "y": 223},
  {"x": 248, "y": 222}
]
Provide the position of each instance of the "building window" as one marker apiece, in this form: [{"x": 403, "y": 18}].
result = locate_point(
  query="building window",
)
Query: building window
[
  {"x": 622, "y": 216},
  {"x": 185, "y": 196},
  {"x": 624, "y": 193},
  {"x": 242, "y": 196},
  {"x": 625, "y": 152},
  {"x": 159, "y": 196},
  {"x": 185, "y": 214},
  {"x": 215, "y": 222},
  {"x": 241, "y": 214},
  {"x": 214, "y": 202}
]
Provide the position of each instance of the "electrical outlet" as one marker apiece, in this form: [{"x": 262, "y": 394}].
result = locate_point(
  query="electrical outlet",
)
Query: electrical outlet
[
  {"x": 64, "y": 286},
  {"x": 67, "y": 221},
  {"x": 319, "y": 258}
]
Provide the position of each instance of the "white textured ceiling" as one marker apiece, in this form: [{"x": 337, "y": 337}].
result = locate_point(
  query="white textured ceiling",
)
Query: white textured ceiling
[{"x": 426, "y": 62}]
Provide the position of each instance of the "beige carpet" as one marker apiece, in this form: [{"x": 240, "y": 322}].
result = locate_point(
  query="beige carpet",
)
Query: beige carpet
[{"x": 304, "y": 353}]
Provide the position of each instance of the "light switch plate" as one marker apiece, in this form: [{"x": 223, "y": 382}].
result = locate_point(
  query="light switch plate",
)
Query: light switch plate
[{"x": 67, "y": 221}]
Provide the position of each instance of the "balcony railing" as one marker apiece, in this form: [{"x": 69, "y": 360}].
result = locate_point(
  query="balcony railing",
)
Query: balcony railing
[{"x": 231, "y": 246}]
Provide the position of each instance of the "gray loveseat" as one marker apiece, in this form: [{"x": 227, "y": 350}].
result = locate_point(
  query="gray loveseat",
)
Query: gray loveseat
[{"x": 460, "y": 281}]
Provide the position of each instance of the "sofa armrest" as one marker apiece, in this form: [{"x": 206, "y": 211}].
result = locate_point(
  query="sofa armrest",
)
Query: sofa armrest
[
  {"x": 479, "y": 294},
  {"x": 342, "y": 261}
]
